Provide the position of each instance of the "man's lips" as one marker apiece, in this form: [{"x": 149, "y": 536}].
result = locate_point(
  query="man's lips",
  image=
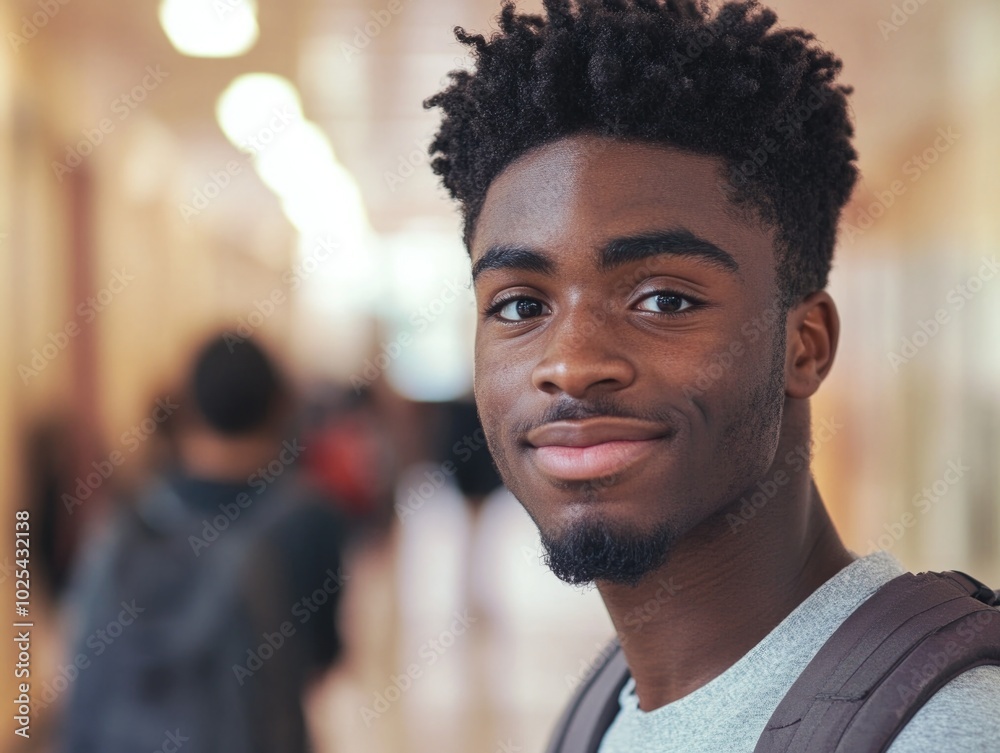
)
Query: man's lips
[{"x": 594, "y": 448}]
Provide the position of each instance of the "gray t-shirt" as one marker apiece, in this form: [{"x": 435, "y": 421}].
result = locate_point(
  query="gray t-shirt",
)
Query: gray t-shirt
[{"x": 728, "y": 714}]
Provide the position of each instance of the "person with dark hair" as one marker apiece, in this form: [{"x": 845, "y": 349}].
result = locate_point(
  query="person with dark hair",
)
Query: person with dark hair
[
  {"x": 235, "y": 387},
  {"x": 220, "y": 581},
  {"x": 651, "y": 191}
]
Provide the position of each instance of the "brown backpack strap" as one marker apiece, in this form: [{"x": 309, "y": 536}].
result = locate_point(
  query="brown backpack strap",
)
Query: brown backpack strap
[
  {"x": 885, "y": 661},
  {"x": 594, "y": 706}
]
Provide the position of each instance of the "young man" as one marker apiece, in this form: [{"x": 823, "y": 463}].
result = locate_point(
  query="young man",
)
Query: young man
[{"x": 651, "y": 192}]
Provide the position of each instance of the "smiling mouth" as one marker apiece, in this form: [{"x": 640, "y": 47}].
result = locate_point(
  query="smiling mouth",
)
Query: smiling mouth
[
  {"x": 594, "y": 448},
  {"x": 594, "y": 461}
]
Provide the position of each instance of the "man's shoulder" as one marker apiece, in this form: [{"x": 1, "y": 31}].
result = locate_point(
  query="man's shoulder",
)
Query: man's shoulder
[{"x": 962, "y": 717}]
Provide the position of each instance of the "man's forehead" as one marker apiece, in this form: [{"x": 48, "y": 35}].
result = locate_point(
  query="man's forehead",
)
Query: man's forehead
[{"x": 594, "y": 189}]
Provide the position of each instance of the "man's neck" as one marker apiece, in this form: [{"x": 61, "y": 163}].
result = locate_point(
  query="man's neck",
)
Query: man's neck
[
  {"x": 204, "y": 454},
  {"x": 724, "y": 588}
]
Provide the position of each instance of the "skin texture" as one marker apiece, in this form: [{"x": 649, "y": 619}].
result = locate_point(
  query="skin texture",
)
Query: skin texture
[{"x": 588, "y": 341}]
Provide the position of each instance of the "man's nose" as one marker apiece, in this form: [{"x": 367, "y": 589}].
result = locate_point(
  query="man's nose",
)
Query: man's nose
[{"x": 583, "y": 355}]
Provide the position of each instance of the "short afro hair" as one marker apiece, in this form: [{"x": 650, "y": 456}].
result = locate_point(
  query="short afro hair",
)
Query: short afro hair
[{"x": 727, "y": 84}]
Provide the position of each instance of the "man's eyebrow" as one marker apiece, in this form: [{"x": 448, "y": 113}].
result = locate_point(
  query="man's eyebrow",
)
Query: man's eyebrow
[
  {"x": 512, "y": 257},
  {"x": 679, "y": 242}
]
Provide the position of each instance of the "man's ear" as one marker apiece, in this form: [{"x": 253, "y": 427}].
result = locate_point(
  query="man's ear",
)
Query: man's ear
[{"x": 813, "y": 329}]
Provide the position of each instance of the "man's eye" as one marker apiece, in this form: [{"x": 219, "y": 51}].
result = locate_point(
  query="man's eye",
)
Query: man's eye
[
  {"x": 664, "y": 302},
  {"x": 518, "y": 309}
]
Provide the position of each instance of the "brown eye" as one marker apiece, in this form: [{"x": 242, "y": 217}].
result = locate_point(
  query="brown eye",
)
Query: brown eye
[
  {"x": 664, "y": 302},
  {"x": 519, "y": 309}
]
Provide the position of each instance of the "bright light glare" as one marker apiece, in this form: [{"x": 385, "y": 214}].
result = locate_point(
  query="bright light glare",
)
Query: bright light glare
[
  {"x": 433, "y": 368},
  {"x": 296, "y": 152},
  {"x": 217, "y": 29},
  {"x": 256, "y": 108}
]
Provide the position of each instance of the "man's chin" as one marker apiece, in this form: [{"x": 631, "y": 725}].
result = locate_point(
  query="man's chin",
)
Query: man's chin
[{"x": 586, "y": 551}]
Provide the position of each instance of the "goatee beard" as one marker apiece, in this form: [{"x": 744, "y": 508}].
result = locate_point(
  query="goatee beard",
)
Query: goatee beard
[{"x": 589, "y": 551}]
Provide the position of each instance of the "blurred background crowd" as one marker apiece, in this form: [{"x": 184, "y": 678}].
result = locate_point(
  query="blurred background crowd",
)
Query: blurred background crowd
[{"x": 190, "y": 179}]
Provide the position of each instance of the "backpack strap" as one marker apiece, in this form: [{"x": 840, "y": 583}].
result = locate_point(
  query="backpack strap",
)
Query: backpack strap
[
  {"x": 593, "y": 707},
  {"x": 885, "y": 661}
]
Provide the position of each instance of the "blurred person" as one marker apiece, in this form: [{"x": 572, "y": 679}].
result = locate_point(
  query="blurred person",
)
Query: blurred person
[
  {"x": 651, "y": 191},
  {"x": 462, "y": 453},
  {"x": 350, "y": 454},
  {"x": 208, "y": 603},
  {"x": 48, "y": 474}
]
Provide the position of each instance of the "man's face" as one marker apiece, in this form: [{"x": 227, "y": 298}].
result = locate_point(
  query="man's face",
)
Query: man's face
[{"x": 630, "y": 371}]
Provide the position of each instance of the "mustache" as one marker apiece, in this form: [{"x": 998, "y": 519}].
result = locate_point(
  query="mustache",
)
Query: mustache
[{"x": 571, "y": 409}]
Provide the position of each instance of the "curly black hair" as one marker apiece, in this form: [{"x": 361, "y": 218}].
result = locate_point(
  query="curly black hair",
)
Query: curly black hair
[{"x": 727, "y": 84}]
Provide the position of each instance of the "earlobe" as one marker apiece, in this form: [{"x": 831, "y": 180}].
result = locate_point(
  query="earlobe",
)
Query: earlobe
[{"x": 813, "y": 329}]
